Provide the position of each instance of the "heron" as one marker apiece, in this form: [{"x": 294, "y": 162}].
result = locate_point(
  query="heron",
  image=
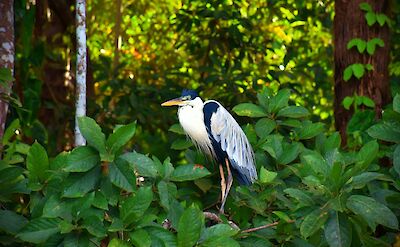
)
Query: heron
[{"x": 216, "y": 133}]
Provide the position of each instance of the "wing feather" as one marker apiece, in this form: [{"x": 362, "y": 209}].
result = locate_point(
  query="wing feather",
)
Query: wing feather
[{"x": 226, "y": 132}]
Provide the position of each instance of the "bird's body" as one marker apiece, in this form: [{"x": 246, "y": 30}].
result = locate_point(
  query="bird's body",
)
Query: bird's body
[{"x": 215, "y": 132}]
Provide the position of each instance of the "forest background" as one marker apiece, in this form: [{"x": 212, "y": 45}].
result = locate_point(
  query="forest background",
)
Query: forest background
[{"x": 314, "y": 84}]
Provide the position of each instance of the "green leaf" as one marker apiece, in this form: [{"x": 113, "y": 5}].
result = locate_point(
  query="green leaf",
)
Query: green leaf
[
  {"x": 121, "y": 175},
  {"x": 347, "y": 73},
  {"x": 290, "y": 153},
  {"x": 372, "y": 211},
  {"x": 163, "y": 193},
  {"x": 371, "y": 48},
  {"x": 266, "y": 176},
  {"x": 358, "y": 70},
  {"x": 396, "y": 159},
  {"x": 366, "y": 7},
  {"x": 369, "y": 67},
  {"x": 37, "y": 162},
  {"x": 282, "y": 215},
  {"x": 144, "y": 165},
  {"x": 136, "y": 205},
  {"x": 316, "y": 162},
  {"x": 100, "y": 201},
  {"x": 293, "y": 112},
  {"x": 367, "y": 154},
  {"x": 313, "y": 222},
  {"x": 385, "y": 131},
  {"x": 300, "y": 196},
  {"x": 368, "y": 102},
  {"x": 10, "y": 174},
  {"x": 116, "y": 242},
  {"x": 93, "y": 134},
  {"x": 181, "y": 144},
  {"x": 11, "y": 222},
  {"x": 177, "y": 128},
  {"x": 219, "y": 230},
  {"x": 364, "y": 178},
  {"x": 371, "y": 18},
  {"x": 140, "y": 238},
  {"x": 54, "y": 207},
  {"x": 39, "y": 230},
  {"x": 338, "y": 231},
  {"x": 190, "y": 226},
  {"x": 221, "y": 241},
  {"x": 120, "y": 137},
  {"x": 396, "y": 103},
  {"x": 347, "y": 102},
  {"x": 161, "y": 236},
  {"x": 189, "y": 172},
  {"x": 78, "y": 185},
  {"x": 332, "y": 142},
  {"x": 381, "y": 18},
  {"x": 273, "y": 145},
  {"x": 310, "y": 130},
  {"x": 82, "y": 159},
  {"x": 264, "y": 127},
  {"x": 354, "y": 42},
  {"x": 94, "y": 226},
  {"x": 279, "y": 101},
  {"x": 249, "y": 110}
]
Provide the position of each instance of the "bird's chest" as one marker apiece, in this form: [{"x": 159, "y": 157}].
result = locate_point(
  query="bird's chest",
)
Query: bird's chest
[{"x": 192, "y": 121}]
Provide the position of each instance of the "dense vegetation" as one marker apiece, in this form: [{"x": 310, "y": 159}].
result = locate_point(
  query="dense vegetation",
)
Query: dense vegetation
[{"x": 140, "y": 182}]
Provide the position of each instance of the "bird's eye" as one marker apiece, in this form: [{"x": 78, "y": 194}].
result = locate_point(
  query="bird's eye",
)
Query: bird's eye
[{"x": 186, "y": 97}]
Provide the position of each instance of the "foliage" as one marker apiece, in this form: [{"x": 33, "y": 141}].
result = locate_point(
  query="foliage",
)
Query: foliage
[{"x": 101, "y": 193}]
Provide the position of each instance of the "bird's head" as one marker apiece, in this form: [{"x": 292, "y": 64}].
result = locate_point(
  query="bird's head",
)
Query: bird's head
[{"x": 187, "y": 97}]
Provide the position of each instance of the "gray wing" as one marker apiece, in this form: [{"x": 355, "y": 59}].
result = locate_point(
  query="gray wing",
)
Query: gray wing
[{"x": 227, "y": 132}]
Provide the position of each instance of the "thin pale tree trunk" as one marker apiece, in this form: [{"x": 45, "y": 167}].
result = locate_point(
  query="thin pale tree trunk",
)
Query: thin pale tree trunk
[
  {"x": 7, "y": 52},
  {"x": 80, "y": 68}
]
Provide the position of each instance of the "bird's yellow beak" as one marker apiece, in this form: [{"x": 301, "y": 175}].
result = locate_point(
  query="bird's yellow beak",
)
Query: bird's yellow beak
[{"x": 172, "y": 102}]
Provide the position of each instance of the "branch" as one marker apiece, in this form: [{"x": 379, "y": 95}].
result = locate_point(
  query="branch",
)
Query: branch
[{"x": 264, "y": 226}]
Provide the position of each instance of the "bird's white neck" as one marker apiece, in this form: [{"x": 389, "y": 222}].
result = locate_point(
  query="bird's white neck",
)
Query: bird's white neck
[{"x": 191, "y": 118}]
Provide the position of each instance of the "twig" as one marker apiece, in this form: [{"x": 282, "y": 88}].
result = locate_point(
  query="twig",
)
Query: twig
[
  {"x": 216, "y": 218},
  {"x": 264, "y": 226}
]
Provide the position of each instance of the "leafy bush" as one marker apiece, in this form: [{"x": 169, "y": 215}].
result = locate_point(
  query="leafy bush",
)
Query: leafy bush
[{"x": 309, "y": 193}]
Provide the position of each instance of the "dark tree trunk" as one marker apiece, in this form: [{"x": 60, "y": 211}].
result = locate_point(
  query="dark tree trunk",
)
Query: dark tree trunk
[
  {"x": 349, "y": 23},
  {"x": 7, "y": 52}
]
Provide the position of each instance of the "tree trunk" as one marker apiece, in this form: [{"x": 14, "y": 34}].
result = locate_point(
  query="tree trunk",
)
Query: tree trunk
[
  {"x": 349, "y": 23},
  {"x": 80, "y": 68},
  {"x": 7, "y": 52}
]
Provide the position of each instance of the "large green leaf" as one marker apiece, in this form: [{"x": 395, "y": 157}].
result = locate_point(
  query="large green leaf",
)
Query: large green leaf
[
  {"x": 396, "y": 103},
  {"x": 120, "y": 137},
  {"x": 386, "y": 131},
  {"x": 309, "y": 130},
  {"x": 219, "y": 230},
  {"x": 221, "y": 241},
  {"x": 116, "y": 242},
  {"x": 300, "y": 196},
  {"x": 78, "y": 185},
  {"x": 266, "y": 176},
  {"x": 37, "y": 162},
  {"x": 293, "y": 112},
  {"x": 249, "y": 110},
  {"x": 161, "y": 236},
  {"x": 364, "y": 178},
  {"x": 140, "y": 238},
  {"x": 190, "y": 226},
  {"x": 372, "y": 211},
  {"x": 313, "y": 222},
  {"x": 189, "y": 172},
  {"x": 316, "y": 162},
  {"x": 264, "y": 127},
  {"x": 10, "y": 174},
  {"x": 94, "y": 226},
  {"x": 121, "y": 175},
  {"x": 396, "y": 159},
  {"x": 290, "y": 153},
  {"x": 39, "y": 230},
  {"x": 11, "y": 222},
  {"x": 367, "y": 154},
  {"x": 82, "y": 159},
  {"x": 136, "y": 205},
  {"x": 181, "y": 144},
  {"x": 144, "y": 165},
  {"x": 92, "y": 133},
  {"x": 279, "y": 101},
  {"x": 163, "y": 193},
  {"x": 337, "y": 230}
]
